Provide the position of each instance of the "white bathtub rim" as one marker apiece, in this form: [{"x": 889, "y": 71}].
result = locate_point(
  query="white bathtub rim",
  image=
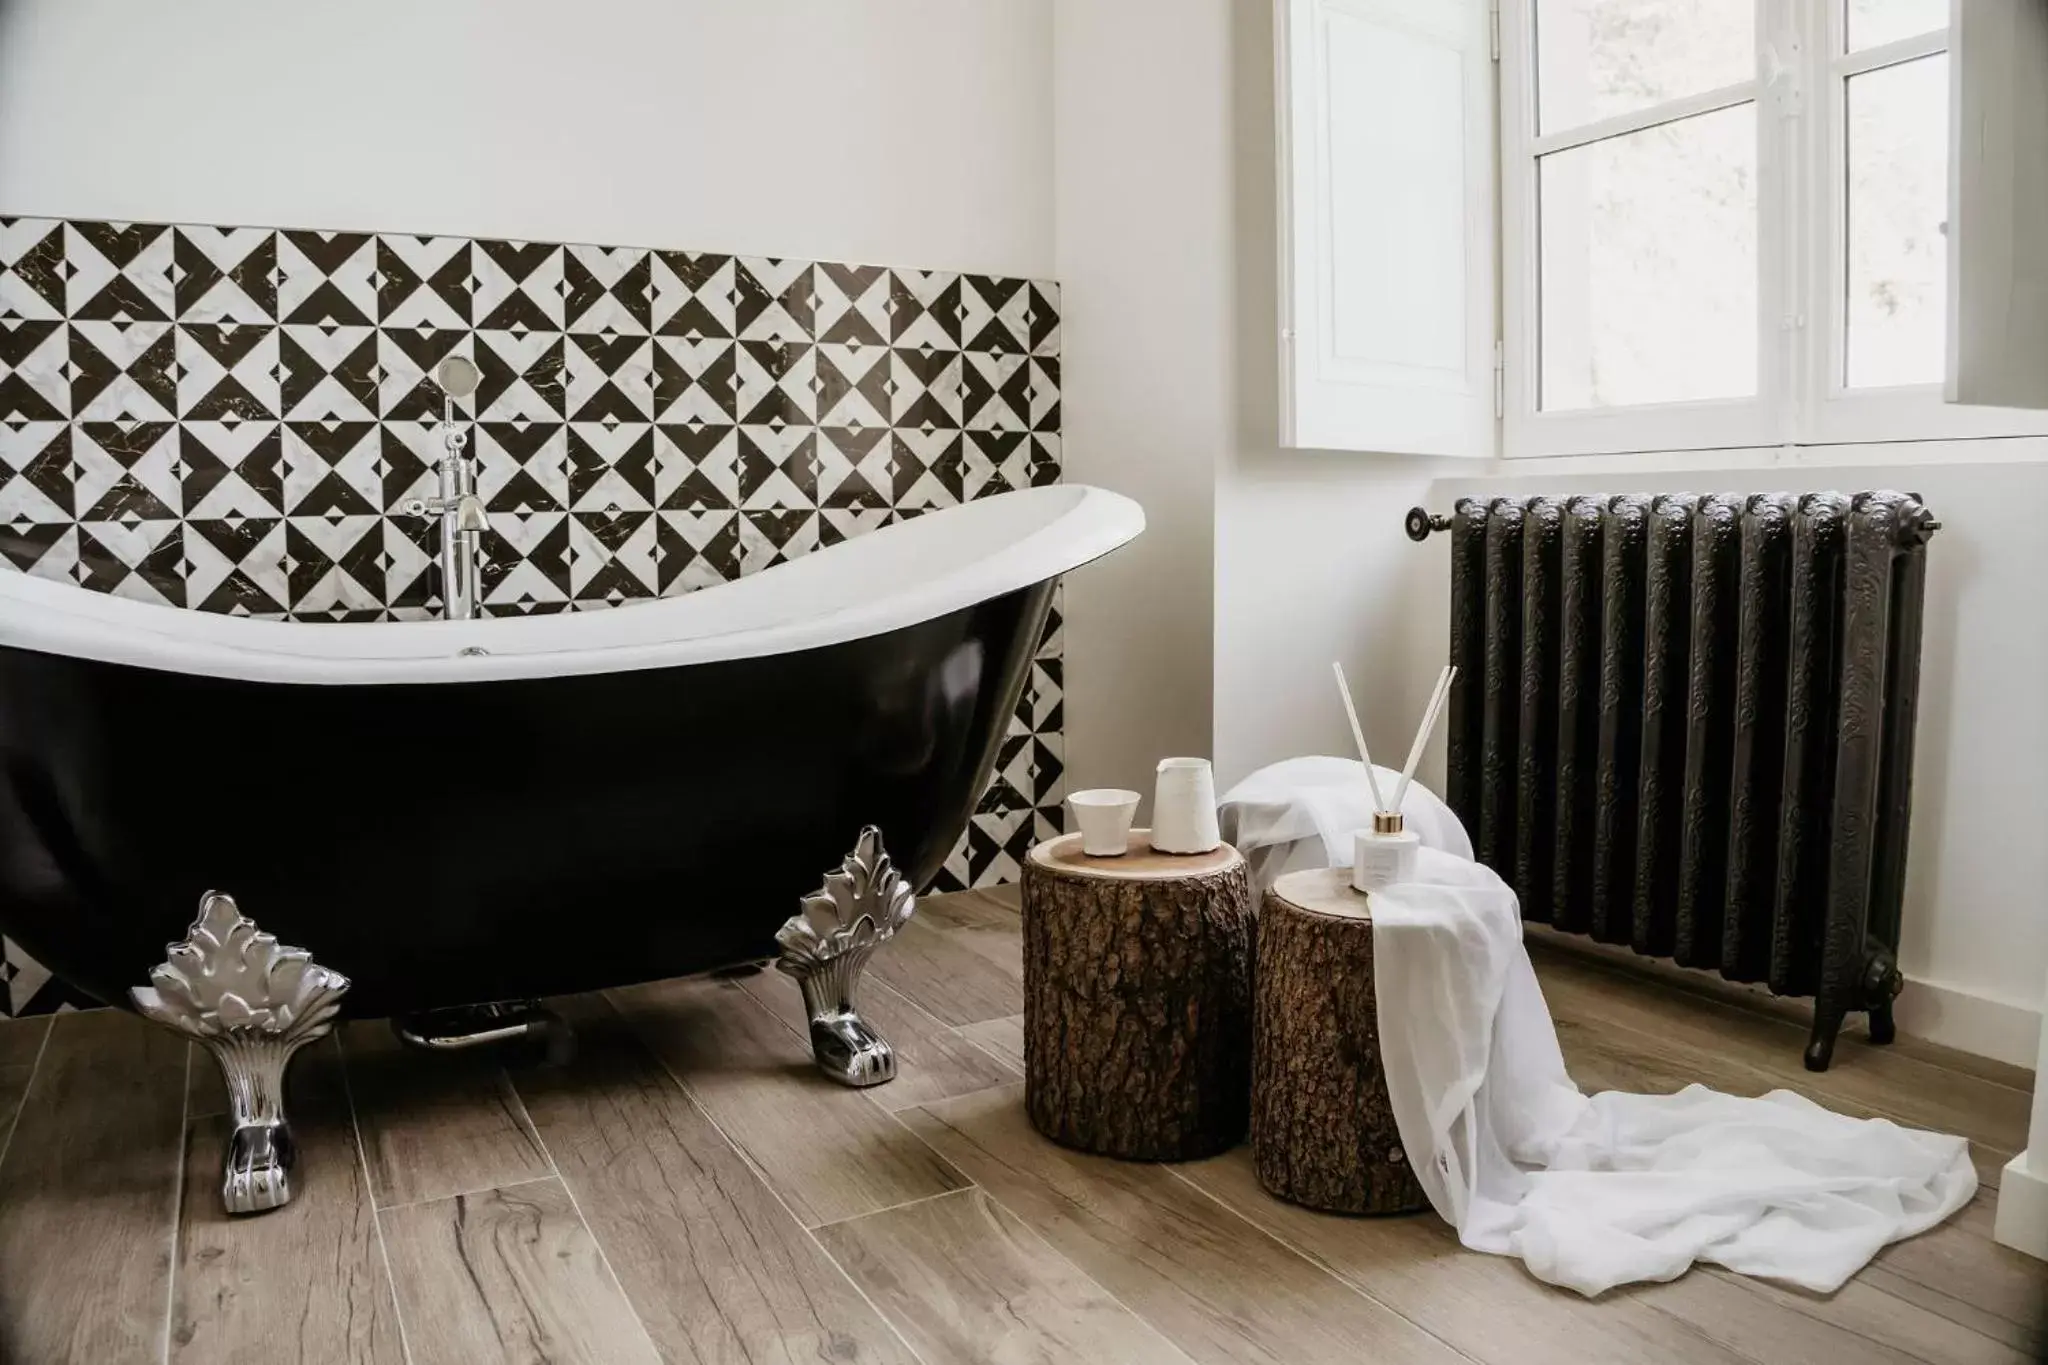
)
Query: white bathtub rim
[{"x": 1053, "y": 531}]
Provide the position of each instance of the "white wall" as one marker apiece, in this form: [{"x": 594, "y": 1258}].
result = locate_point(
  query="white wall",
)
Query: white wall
[
  {"x": 1212, "y": 634},
  {"x": 1166, "y": 247},
  {"x": 887, "y": 132},
  {"x": 1311, "y": 564},
  {"x": 1146, "y": 343}
]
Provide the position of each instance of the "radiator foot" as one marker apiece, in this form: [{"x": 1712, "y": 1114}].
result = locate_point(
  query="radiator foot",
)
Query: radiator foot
[
  {"x": 1882, "y": 1028},
  {"x": 1820, "y": 1046}
]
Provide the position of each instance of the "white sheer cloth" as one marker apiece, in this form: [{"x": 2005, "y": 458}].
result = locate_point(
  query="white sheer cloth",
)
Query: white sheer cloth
[
  {"x": 1600, "y": 1191},
  {"x": 1302, "y": 812}
]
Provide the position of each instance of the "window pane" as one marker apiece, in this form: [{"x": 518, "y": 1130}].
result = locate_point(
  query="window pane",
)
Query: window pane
[
  {"x": 1598, "y": 58},
  {"x": 1883, "y": 21},
  {"x": 1898, "y": 201},
  {"x": 1649, "y": 265}
]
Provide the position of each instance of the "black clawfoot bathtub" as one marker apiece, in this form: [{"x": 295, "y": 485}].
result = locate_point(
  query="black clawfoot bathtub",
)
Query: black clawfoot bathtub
[
  {"x": 453, "y": 812},
  {"x": 426, "y": 816}
]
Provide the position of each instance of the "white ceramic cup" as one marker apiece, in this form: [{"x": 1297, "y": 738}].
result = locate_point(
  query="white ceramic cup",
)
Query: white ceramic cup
[
  {"x": 1104, "y": 815},
  {"x": 1184, "y": 807}
]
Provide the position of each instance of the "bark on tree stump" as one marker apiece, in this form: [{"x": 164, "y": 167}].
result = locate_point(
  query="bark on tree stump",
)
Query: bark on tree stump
[
  {"x": 1323, "y": 1131},
  {"x": 1137, "y": 999}
]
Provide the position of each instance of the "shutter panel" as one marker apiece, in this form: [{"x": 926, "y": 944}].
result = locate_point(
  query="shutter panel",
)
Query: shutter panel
[
  {"x": 1998, "y": 203},
  {"x": 1388, "y": 254}
]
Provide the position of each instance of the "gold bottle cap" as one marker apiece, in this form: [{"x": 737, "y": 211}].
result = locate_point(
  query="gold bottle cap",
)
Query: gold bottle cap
[{"x": 1387, "y": 822}]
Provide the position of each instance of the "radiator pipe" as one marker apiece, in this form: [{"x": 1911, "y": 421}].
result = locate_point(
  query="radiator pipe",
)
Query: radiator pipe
[
  {"x": 1420, "y": 523},
  {"x": 1915, "y": 528}
]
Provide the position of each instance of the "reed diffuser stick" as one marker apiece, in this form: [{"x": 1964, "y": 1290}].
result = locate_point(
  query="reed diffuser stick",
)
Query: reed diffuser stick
[
  {"x": 1436, "y": 706},
  {"x": 1358, "y": 735}
]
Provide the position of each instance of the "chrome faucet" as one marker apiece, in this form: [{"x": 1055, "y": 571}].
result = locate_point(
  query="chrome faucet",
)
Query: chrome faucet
[{"x": 463, "y": 519}]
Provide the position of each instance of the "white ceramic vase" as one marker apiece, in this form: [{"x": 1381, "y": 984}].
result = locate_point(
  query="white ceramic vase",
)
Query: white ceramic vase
[{"x": 1184, "y": 807}]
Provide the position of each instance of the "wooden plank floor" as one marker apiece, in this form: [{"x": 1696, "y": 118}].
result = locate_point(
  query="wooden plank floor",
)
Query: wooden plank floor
[{"x": 690, "y": 1190}]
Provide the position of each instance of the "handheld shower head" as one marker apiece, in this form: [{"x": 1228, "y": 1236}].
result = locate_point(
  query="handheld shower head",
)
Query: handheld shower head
[{"x": 457, "y": 375}]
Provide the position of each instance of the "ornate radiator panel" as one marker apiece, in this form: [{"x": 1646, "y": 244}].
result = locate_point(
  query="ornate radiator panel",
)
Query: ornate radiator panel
[{"x": 1685, "y": 724}]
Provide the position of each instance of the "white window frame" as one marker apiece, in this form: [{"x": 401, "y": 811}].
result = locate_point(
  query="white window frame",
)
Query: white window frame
[{"x": 1802, "y": 223}]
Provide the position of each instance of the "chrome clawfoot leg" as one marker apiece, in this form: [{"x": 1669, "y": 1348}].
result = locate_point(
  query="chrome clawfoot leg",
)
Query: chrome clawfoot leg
[
  {"x": 826, "y": 947},
  {"x": 252, "y": 1003}
]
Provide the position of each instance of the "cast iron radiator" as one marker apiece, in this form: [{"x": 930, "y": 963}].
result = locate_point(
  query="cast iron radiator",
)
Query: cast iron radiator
[{"x": 1685, "y": 724}]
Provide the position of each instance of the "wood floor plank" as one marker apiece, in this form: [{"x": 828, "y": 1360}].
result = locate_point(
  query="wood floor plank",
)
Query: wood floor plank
[
  {"x": 1956, "y": 1270},
  {"x": 1001, "y": 1038},
  {"x": 306, "y": 1282},
  {"x": 205, "y": 1092},
  {"x": 828, "y": 1152},
  {"x": 21, "y": 1043},
  {"x": 1215, "y": 1285},
  {"x": 1488, "y": 1307},
  {"x": 508, "y": 1275},
  {"x": 716, "y": 1267},
  {"x": 1793, "y": 1011},
  {"x": 89, "y": 1194},
  {"x": 933, "y": 1062},
  {"x": 961, "y": 958},
  {"x": 966, "y": 1281},
  {"x": 1902, "y": 1087},
  {"x": 435, "y": 1125},
  {"x": 1603, "y": 1054}
]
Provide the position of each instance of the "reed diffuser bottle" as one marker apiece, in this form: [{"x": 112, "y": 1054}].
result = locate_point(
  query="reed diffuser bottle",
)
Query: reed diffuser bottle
[{"x": 1385, "y": 854}]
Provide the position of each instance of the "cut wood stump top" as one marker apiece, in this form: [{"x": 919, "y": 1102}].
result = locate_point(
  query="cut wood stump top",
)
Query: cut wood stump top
[
  {"x": 1141, "y": 863},
  {"x": 1325, "y": 891}
]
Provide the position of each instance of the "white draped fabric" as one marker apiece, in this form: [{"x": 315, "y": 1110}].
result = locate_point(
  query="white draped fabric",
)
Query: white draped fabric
[{"x": 1596, "y": 1191}]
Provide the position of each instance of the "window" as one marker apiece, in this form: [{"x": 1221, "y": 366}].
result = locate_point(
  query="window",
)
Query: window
[
  {"x": 1724, "y": 224},
  {"x": 1567, "y": 227}
]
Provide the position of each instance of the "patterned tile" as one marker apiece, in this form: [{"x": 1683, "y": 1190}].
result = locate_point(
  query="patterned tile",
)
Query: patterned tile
[
  {"x": 605, "y": 291},
  {"x": 406, "y": 359},
  {"x": 424, "y": 283},
  {"x": 122, "y": 371},
  {"x": 228, "y": 371},
  {"x": 520, "y": 376},
  {"x": 231, "y": 469},
  {"x": 520, "y": 287},
  {"x": 696, "y": 466},
  {"x": 35, "y": 382},
  {"x": 38, "y": 476},
  {"x": 126, "y": 472},
  {"x": 224, "y": 275},
  {"x": 229, "y": 419},
  {"x": 693, "y": 296},
  {"x": 334, "y": 567},
  {"x": 326, "y": 279},
  {"x": 328, "y": 370},
  {"x": 31, "y": 270},
  {"x": 119, "y": 273}
]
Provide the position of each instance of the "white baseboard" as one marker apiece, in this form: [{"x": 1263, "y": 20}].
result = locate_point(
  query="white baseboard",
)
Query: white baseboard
[
  {"x": 2003, "y": 1030},
  {"x": 2022, "y": 1221}
]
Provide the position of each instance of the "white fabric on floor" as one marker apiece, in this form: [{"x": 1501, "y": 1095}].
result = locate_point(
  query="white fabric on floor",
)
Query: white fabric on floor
[
  {"x": 1302, "y": 812},
  {"x": 1600, "y": 1191}
]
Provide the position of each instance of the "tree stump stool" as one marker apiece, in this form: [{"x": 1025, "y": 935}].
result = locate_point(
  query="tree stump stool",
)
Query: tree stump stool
[
  {"x": 1137, "y": 999},
  {"x": 1323, "y": 1132}
]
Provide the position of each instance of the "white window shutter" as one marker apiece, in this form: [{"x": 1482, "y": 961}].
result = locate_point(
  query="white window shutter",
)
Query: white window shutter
[
  {"x": 1387, "y": 246},
  {"x": 1998, "y": 203}
]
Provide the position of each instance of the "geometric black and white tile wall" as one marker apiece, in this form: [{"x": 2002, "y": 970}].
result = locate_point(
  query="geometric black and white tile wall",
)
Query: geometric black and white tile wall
[{"x": 230, "y": 419}]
